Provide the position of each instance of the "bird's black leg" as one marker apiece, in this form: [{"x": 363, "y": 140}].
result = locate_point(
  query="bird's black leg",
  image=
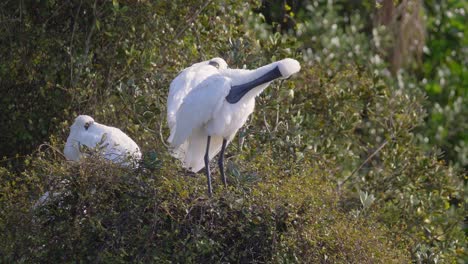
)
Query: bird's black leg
[
  {"x": 207, "y": 166},
  {"x": 221, "y": 162}
]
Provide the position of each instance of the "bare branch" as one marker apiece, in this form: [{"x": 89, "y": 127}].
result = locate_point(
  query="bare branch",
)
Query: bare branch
[
  {"x": 71, "y": 44},
  {"x": 189, "y": 22},
  {"x": 363, "y": 163},
  {"x": 39, "y": 149}
]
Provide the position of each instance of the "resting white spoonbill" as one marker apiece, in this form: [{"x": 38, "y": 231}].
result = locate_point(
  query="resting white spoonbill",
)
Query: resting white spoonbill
[
  {"x": 111, "y": 142},
  {"x": 207, "y": 105}
]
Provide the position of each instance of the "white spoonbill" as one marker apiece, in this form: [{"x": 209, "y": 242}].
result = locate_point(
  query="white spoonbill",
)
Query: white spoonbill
[
  {"x": 111, "y": 142},
  {"x": 207, "y": 105}
]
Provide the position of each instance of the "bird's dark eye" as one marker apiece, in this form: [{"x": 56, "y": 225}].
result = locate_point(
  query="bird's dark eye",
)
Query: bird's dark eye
[
  {"x": 214, "y": 63},
  {"x": 86, "y": 125}
]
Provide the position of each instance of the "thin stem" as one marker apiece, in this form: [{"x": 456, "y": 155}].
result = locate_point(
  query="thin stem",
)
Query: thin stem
[{"x": 363, "y": 163}]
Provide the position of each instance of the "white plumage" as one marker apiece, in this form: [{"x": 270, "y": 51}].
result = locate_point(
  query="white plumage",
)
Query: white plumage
[
  {"x": 111, "y": 142},
  {"x": 186, "y": 81},
  {"x": 207, "y": 105}
]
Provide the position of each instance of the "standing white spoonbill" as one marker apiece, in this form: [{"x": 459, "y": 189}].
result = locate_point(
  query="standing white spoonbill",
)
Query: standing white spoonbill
[
  {"x": 111, "y": 142},
  {"x": 205, "y": 115}
]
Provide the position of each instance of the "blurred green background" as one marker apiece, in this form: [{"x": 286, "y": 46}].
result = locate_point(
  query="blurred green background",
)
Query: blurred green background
[{"x": 360, "y": 158}]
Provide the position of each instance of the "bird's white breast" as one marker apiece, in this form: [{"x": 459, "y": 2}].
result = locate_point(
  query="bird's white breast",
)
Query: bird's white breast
[{"x": 230, "y": 118}]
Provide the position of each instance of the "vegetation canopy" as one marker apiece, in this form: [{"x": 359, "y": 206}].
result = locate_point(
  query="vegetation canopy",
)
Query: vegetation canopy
[{"x": 339, "y": 164}]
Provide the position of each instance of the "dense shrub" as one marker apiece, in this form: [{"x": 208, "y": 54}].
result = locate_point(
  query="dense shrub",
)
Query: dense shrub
[
  {"x": 372, "y": 116},
  {"x": 445, "y": 79},
  {"x": 109, "y": 214},
  {"x": 328, "y": 168},
  {"x": 419, "y": 43}
]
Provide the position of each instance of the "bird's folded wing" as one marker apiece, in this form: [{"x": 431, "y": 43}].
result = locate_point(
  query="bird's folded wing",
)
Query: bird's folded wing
[
  {"x": 182, "y": 85},
  {"x": 177, "y": 90},
  {"x": 198, "y": 107}
]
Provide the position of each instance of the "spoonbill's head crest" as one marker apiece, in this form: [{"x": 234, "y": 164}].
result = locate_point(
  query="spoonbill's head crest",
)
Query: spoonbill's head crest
[
  {"x": 83, "y": 122},
  {"x": 218, "y": 63},
  {"x": 288, "y": 67}
]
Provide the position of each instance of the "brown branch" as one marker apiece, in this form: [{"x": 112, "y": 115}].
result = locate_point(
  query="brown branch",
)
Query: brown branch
[
  {"x": 187, "y": 25},
  {"x": 180, "y": 30},
  {"x": 72, "y": 82},
  {"x": 363, "y": 163},
  {"x": 39, "y": 149},
  {"x": 161, "y": 136}
]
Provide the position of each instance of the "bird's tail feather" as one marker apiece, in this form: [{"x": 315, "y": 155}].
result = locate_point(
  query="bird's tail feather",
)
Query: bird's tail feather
[{"x": 192, "y": 151}]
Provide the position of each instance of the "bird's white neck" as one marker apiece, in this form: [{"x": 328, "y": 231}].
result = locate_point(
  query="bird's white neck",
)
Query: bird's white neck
[
  {"x": 241, "y": 76},
  {"x": 247, "y": 84}
]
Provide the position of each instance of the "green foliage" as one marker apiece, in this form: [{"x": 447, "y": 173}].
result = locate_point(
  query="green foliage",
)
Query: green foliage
[
  {"x": 103, "y": 59},
  {"x": 328, "y": 169},
  {"x": 445, "y": 78},
  {"x": 351, "y": 115},
  {"x": 362, "y": 119},
  {"x": 348, "y": 29},
  {"x": 100, "y": 212}
]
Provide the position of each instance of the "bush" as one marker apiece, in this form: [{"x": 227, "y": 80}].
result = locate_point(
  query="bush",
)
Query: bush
[
  {"x": 110, "y": 60},
  {"x": 327, "y": 169},
  {"x": 104, "y": 213},
  {"x": 359, "y": 121}
]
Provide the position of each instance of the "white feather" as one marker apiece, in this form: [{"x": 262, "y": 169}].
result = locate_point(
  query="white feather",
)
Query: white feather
[
  {"x": 197, "y": 108},
  {"x": 111, "y": 142},
  {"x": 185, "y": 82},
  {"x": 288, "y": 67}
]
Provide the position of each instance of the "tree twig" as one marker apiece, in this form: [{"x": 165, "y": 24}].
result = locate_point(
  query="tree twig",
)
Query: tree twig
[
  {"x": 39, "y": 149},
  {"x": 189, "y": 22},
  {"x": 72, "y": 82},
  {"x": 267, "y": 126},
  {"x": 162, "y": 137},
  {"x": 278, "y": 108},
  {"x": 363, "y": 163},
  {"x": 181, "y": 29}
]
